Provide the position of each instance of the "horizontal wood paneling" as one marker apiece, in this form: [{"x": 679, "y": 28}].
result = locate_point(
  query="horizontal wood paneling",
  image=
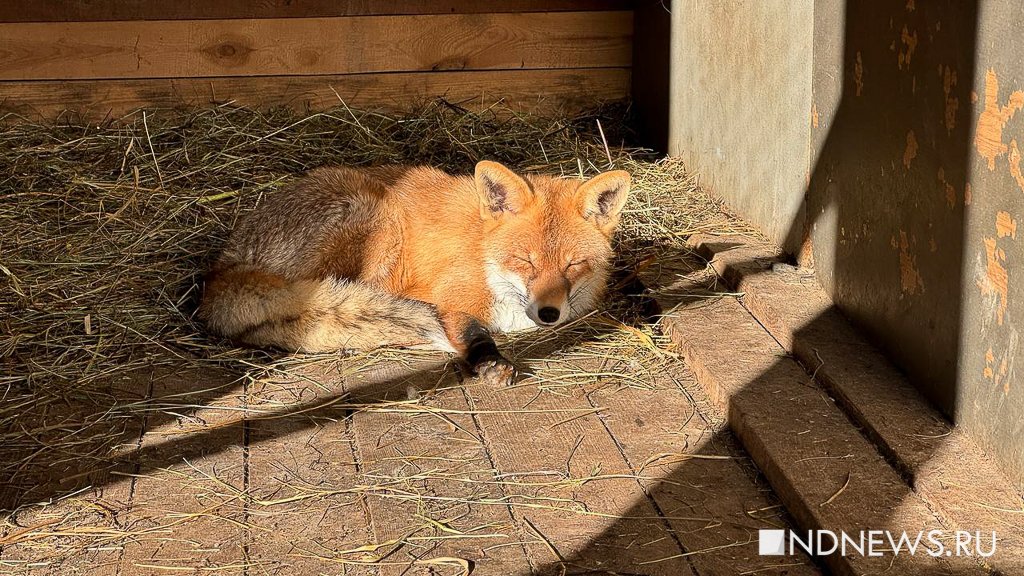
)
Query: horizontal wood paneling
[
  {"x": 209, "y": 48},
  {"x": 96, "y": 10},
  {"x": 535, "y": 90},
  {"x": 111, "y": 57}
]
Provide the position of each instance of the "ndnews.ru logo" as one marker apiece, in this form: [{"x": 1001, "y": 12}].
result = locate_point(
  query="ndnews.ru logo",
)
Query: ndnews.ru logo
[{"x": 877, "y": 543}]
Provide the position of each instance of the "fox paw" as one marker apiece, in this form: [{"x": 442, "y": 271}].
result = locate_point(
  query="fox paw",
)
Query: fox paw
[{"x": 496, "y": 371}]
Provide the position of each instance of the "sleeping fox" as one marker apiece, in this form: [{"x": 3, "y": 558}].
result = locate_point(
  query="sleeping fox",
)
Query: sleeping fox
[{"x": 354, "y": 259}]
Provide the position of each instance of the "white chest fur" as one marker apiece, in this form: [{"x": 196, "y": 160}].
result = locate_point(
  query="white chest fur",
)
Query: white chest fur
[{"x": 508, "y": 312}]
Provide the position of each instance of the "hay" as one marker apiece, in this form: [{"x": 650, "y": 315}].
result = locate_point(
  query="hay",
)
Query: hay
[{"x": 105, "y": 232}]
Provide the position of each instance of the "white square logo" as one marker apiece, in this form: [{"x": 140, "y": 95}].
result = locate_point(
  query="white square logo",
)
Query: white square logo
[{"x": 771, "y": 542}]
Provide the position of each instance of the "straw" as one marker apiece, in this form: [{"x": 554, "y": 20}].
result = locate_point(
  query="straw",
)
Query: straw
[{"x": 105, "y": 231}]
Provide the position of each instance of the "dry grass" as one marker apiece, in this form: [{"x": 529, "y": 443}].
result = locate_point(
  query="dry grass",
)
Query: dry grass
[{"x": 105, "y": 232}]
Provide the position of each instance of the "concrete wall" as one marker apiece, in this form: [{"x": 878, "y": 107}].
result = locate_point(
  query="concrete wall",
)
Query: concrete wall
[{"x": 879, "y": 142}]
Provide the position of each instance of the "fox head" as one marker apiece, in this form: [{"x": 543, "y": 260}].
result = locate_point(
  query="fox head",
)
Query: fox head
[{"x": 547, "y": 243}]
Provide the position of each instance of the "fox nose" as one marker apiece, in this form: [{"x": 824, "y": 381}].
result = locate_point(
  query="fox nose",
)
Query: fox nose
[{"x": 549, "y": 314}]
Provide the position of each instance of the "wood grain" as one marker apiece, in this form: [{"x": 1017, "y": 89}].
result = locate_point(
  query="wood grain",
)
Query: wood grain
[
  {"x": 828, "y": 475},
  {"x": 690, "y": 469},
  {"x": 312, "y": 46},
  {"x": 912, "y": 434},
  {"x": 289, "y": 456},
  {"x": 433, "y": 466},
  {"x": 534, "y": 90},
  {"x": 185, "y": 464},
  {"x": 544, "y": 443},
  {"x": 97, "y": 10}
]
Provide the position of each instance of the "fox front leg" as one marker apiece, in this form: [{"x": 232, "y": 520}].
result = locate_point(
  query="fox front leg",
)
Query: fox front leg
[
  {"x": 484, "y": 359},
  {"x": 478, "y": 351}
]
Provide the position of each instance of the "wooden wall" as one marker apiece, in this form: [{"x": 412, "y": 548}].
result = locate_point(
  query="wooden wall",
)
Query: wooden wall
[{"x": 110, "y": 57}]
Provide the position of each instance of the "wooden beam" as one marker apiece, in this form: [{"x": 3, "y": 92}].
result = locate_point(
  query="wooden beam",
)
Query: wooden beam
[
  {"x": 941, "y": 462},
  {"x": 524, "y": 89},
  {"x": 311, "y": 46},
  {"x": 98, "y": 10},
  {"x": 828, "y": 475}
]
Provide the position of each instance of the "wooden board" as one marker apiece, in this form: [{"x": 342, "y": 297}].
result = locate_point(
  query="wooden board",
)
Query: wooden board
[
  {"x": 301, "y": 469},
  {"x": 826, "y": 473},
  {"x": 96, "y": 10},
  {"x": 930, "y": 453},
  {"x": 186, "y": 513},
  {"x": 518, "y": 480},
  {"x": 44, "y": 535},
  {"x": 311, "y": 46},
  {"x": 696, "y": 474},
  {"x": 527, "y": 89},
  {"x": 438, "y": 493},
  {"x": 546, "y": 444}
]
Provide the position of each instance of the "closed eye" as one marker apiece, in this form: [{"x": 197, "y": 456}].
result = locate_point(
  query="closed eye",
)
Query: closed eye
[{"x": 575, "y": 263}]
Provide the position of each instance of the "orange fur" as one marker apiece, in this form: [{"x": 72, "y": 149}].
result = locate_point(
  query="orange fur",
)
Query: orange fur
[{"x": 357, "y": 258}]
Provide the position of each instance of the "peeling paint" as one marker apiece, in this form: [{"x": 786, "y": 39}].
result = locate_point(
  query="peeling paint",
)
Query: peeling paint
[
  {"x": 952, "y": 102},
  {"x": 910, "y": 45},
  {"x": 910, "y": 278},
  {"x": 814, "y": 115},
  {"x": 997, "y": 374},
  {"x": 1014, "y": 158},
  {"x": 910, "y": 5},
  {"x": 990, "y": 359},
  {"x": 988, "y": 137},
  {"x": 911, "y": 151},
  {"x": 950, "y": 190},
  {"x": 968, "y": 194},
  {"x": 1005, "y": 225},
  {"x": 996, "y": 279},
  {"x": 858, "y": 73}
]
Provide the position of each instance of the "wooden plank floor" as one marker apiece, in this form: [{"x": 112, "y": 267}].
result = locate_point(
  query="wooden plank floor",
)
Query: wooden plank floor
[
  {"x": 344, "y": 475},
  {"x": 608, "y": 459}
]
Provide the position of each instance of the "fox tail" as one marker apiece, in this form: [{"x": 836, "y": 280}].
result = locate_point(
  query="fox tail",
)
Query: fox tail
[{"x": 260, "y": 308}]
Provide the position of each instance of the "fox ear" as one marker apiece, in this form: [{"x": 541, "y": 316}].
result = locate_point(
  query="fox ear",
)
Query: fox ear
[
  {"x": 502, "y": 190},
  {"x": 603, "y": 196}
]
